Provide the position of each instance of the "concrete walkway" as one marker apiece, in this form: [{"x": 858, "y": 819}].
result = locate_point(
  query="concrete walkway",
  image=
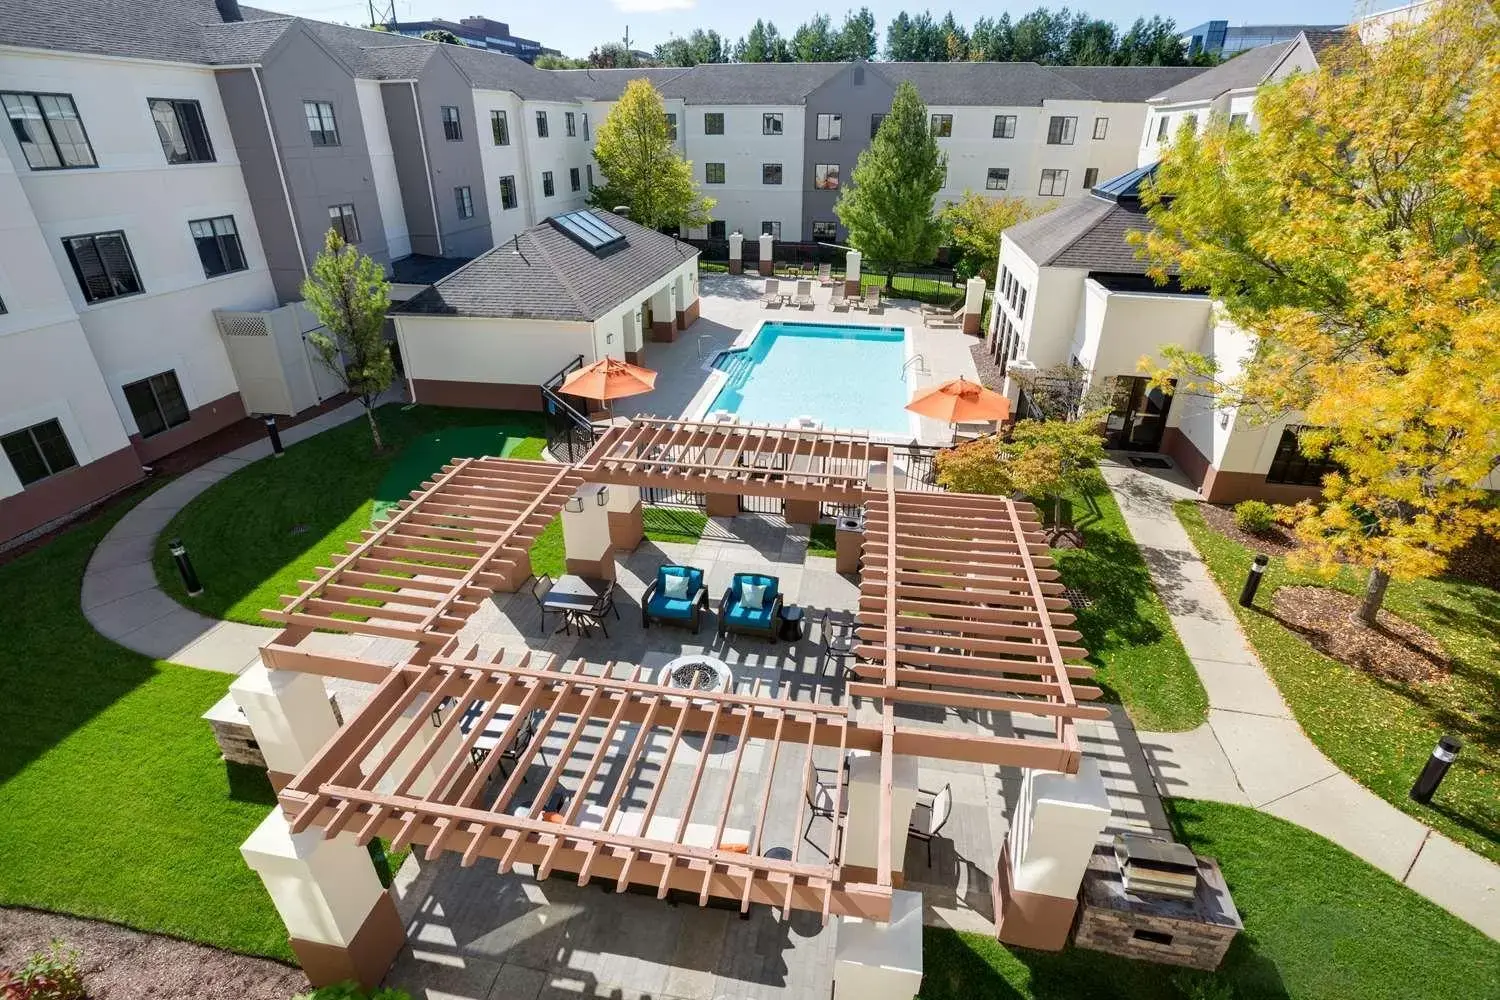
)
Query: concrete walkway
[
  {"x": 121, "y": 599},
  {"x": 1252, "y": 751}
]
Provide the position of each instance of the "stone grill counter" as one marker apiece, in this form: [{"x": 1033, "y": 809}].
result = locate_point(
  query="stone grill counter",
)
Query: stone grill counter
[{"x": 1195, "y": 933}]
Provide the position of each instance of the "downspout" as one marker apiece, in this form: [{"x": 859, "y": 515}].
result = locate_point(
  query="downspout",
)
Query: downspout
[
  {"x": 286, "y": 192},
  {"x": 437, "y": 227}
]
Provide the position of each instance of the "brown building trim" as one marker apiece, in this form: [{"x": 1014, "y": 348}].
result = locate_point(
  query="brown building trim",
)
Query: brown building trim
[
  {"x": 971, "y": 323},
  {"x": 767, "y": 267},
  {"x": 368, "y": 956},
  {"x": 482, "y": 395},
  {"x": 736, "y": 265},
  {"x": 207, "y": 419},
  {"x": 663, "y": 331},
  {"x": 687, "y": 317},
  {"x": 1030, "y": 919},
  {"x": 1217, "y": 486},
  {"x": 1189, "y": 459},
  {"x": 67, "y": 492},
  {"x": 634, "y": 357},
  {"x": 851, "y": 286}
]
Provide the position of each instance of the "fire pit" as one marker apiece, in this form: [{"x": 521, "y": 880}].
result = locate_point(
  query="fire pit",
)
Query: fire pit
[{"x": 695, "y": 672}]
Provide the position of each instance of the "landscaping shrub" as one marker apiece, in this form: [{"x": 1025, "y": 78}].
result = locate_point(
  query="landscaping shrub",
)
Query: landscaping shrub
[
  {"x": 1254, "y": 517},
  {"x": 47, "y": 975}
]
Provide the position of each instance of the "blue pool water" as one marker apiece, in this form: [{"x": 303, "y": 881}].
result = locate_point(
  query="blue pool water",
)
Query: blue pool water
[{"x": 846, "y": 376}]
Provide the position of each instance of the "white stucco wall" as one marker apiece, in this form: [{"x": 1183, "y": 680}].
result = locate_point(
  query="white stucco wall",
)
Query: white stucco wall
[
  {"x": 557, "y": 153},
  {"x": 502, "y": 351},
  {"x": 383, "y": 163},
  {"x": 508, "y": 160},
  {"x": 742, "y": 202}
]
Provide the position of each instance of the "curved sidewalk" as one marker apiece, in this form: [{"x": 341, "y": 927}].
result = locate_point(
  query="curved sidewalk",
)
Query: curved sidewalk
[
  {"x": 1252, "y": 751},
  {"x": 120, "y": 597}
]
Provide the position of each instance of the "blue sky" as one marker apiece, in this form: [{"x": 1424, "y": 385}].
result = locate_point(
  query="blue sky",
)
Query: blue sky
[{"x": 575, "y": 26}]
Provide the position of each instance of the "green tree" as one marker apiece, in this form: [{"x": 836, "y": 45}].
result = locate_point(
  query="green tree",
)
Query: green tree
[
  {"x": 992, "y": 40},
  {"x": 699, "y": 47},
  {"x": 641, "y": 165},
  {"x": 1153, "y": 42},
  {"x": 763, "y": 44},
  {"x": 1043, "y": 460},
  {"x": 550, "y": 61},
  {"x": 348, "y": 294},
  {"x": 815, "y": 41},
  {"x": 856, "y": 39},
  {"x": 973, "y": 224},
  {"x": 888, "y": 206},
  {"x": 441, "y": 35},
  {"x": 613, "y": 55}
]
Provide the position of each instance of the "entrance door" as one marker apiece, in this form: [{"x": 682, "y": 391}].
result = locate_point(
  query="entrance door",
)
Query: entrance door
[{"x": 1138, "y": 417}]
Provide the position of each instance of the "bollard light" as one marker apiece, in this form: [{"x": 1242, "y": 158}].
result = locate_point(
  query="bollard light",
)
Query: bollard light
[
  {"x": 185, "y": 567},
  {"x": 274, "y": 434},
  {"x": 1252, "y": 581},
  {"x": 1443, "y": 756}
]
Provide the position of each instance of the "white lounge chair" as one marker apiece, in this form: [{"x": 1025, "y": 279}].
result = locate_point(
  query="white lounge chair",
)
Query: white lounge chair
[
  {"x": 772, "y": 295},
  {"x": 838, "y": 299},
  {"x": 872, "y": 299},
  {"x": 937, "y": 315},
  {"x": 825, "y": 274},
  {"x": 803, "y": 299}
]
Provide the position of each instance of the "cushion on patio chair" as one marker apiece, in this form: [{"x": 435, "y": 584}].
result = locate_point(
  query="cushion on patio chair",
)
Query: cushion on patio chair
[
  {"x": 758, "y": 618},
  {"x": 693, "y": 575},
  {"x": 662, "y": 606},
  {"x": 769, "y": 585},
  {"x": 753, "y": 596},
  {"x": 676, "y": 586}
]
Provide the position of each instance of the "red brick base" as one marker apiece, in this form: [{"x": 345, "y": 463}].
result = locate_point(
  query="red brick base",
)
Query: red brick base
[
  {"x": 203, "y": 421},
  {"x": 767, "y": 268},
  {"x": 634, "y": 357},
  {"x": 368, "y": 956},
  {"x": 62, "y": 494},
  {"x": 736, "y": 266},
  {"x": 663, "y": 331},
  {"x": 487, "y": 395},
  {"x": 971, "y": 323},
  {"x": 851, "y": 286},
  {"x": 687, "y": 317}
]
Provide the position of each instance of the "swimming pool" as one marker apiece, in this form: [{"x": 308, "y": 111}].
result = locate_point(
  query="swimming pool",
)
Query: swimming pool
[{"x": 846, "y": 376}]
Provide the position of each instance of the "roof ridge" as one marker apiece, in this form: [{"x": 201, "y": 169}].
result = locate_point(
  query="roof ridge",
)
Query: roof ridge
[{"x": 1110, "y": 206}]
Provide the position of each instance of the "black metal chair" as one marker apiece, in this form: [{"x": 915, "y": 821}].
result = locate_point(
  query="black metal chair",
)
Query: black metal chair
[
  {"x": 822, "y": 801},
  {"x": 539, "y": 591},
  {"x": 938, "y": 811},
  {"x": 838, "y": 640}
]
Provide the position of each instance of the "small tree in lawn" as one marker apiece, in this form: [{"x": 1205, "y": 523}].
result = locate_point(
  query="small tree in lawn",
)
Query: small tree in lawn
[
  {"x": 887, "y": 207},
  {"x": 1063, "y": 391},
  {"x": 973, "y": 224},
  {"x": 348, "y": 293},
  {"x": 641, "y": 165}
]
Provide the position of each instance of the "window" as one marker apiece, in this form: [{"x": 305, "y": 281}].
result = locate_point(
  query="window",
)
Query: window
[
  {"x": 825, "y": 229},
  {"x": 570, "y": 122},
  {"x": 770, "y": 124},
  {"x": 942, "y": 126},
  {"x": 1292, "y": 468},
  {"x": 830, "y": 126},
  {"x": 713, "y": 123},
  {"x": 49, "y": 130},
  {"x": 453, "y": 126},
  {"x": 1090, "y": 177},
  {"x": 1239, "y": 119},
  {"x": 586, "y": 126},
  {"x": 103, "y": 265},
  {"x": 826, "y": 176},
  {"x": 179, "y": 126},
  {"x": 1021, "y": 300},
  {"x": 875, "y": 121},
  {"x": 38, "y": 451},
  {"x": 772, "y": 229},
  {"x": 770, "y": 173},
  {"x": 717, "y": 229},
  {"x": 1190, "y": 122},
  {"x": 1061, "y": 130},
  {"x": 713, "y": 173},
  {"x": 997, "y": 179},
  {"x": 575, "y": 182},
  {"x": 588, "y": 172},
  {"x": 672, "y": 125},
  {"x": 3, "y": 310},
  {"x": 508, "y": 192},
  {"x": 342, "y": 221},
  {"x": 1054, "y": 183},
  {"x": 218, "y": 243},
  {"x": 464, "y": 198},
  {"x": 156, "y": 403},
  {"x": 548, "y": 189},
  {"x": 1101, "y": 127},
  {"x": 1005, "y": 127},
  {"x": 541, "y": 124},
  {"x": 321, "y": 126},
  {"x": 500, "y": 127},
  {"x": 1161, "y": 128}
]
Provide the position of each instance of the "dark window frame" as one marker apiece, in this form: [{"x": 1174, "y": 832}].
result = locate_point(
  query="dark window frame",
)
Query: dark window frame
[
  {"x": 319, "y": 135},
  {"x": 10, "y": 441},
  {"x": 72, "y": 253},
  {"x": 671, "y": 117},
  {"x": 509, "y": 196},
  {"x": 829, "y": 170},
  {"x": 344, "y": 221},
  {"x": 1004, "y": 128},
  {"x": 1290, "y": 467},
  {"x": 829, "y": 127},
  {"x": 542, "y": 128},
  {"x": 712, "y": 119},
  {"x": 1101, "y": 128},
  {"x": 156, "y": 387},
  {"x": 1043, "y": 192},
  {"x": 717, "y": 229},
  {"x": 997, "y": 179},
  {"x": 570, "y": 124},
  {"x": 1062, "y": 130},
  {"x": 709, "y": 172},
  {"x": 1240, "y": 119},
  {"x": 825, "y": 229},
  {"x": 875, "y": 120},
  {"x": 770, "y": 118},
  {"x": 453, "y": 122},
  {"x": 463, "y": 199},
  {"x": 177, "y": 106},
  {"x": 767, "y": 169},
  {"x": 500, "y": 127},
  {"x": 771, "y": 228},
  {"x": 549, "y": 185},
  {"x": 585, "y": 126},
  {"x": 226, "y": 246},
  {"x": 575, "y": 179},
  {"x": 36, "y": 96},
  {"x": 1163, "y": 126},
  {"x": 941, "y": 126},
  {"x": 1090, "y": 178}
]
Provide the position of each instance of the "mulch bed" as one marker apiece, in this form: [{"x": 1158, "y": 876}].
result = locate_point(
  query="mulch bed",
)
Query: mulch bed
[
  {"x": 122, "y": 964},
  {"x": 1395, "y": 650},
  {"x": 1279, "y": 541},
  {"x": 989, "y": 371}
]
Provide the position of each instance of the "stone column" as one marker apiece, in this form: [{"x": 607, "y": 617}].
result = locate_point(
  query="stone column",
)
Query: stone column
[
  {"x": 1056, "y": 823},
  {"x": 767, "y": 255},
  {"x": 852, "y": 262},
  {"x": 626, "y": 526},
  {"x": 586, "y": 534},
  {"x": 879, "y": 961},
  {"x": 342, "y": 924},
  {"x": 723, "y": 504},
  {"x": 289, "y": 714},
  {"x": 973, "y": 304},
  {"x": 862, "y": 832},
  {"x": 736, "y": 252},
  {"x": 663, "y": 316}
]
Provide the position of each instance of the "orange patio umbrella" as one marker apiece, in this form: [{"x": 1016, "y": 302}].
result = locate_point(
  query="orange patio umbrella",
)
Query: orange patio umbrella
[
  {"x": 961, "y": 402},
  {"x": 610, "y": 378}
]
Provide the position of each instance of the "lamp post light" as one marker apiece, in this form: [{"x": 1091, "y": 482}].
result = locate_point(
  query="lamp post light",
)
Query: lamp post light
[
  {"x": 1443, "y": 756},
  {"x": 1252, "y": 581},
  {"x": 274, "y": 434},
  {"x": 185, "y": 567}
]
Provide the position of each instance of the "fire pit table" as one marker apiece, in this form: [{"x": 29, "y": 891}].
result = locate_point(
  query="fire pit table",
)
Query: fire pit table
[{"x": 696, "y": 672}]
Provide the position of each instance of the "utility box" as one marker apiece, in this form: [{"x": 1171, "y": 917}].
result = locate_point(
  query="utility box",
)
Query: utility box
[{"x": 848, "y": 539}]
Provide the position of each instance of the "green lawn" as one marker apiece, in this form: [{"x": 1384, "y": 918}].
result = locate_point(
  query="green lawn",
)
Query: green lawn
[
  {"x": 255, "y": 534},
  {"x": 113, "y": 800},
  {"x": 1320, "y": 924},
  {"x": 1381, "y": 732},
  {"x": 823, "y": 541},
  {"x": 1127, "y": 631},
  {"x": 663, "y": 524}
]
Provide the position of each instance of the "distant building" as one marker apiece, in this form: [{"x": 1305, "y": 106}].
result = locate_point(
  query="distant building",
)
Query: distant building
[
  {"x": 1218, "y": 38},
  {"x": 480, "y": 33}
]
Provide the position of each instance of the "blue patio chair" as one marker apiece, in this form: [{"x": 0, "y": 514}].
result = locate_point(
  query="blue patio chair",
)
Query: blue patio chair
[
  {"x": 685, "y": 607},
  {"x": 736, "y": 616}
]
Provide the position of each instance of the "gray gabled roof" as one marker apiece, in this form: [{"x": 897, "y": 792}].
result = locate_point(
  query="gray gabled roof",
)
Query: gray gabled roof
[
  {"x": 170, "y": 30},
  {"x": 499, "y": 71},
  {"x": 751, "y": 83},
  {"x": 1088, "y": 234},
  {"x": 543, "y": 274},
  {"x": 1246, "y": 70},
  {"x": 608, "y": 84},
  {"x": 1126, "y": 84},
  {"x": 1016, "y": 84}
]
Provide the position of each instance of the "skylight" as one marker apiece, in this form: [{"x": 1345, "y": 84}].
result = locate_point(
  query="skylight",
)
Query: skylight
[{"x": 590, "y": 231}]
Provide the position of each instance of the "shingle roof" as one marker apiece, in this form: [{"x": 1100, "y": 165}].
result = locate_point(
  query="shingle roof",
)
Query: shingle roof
[
  {"x": 543, "y": 274},
  {"x": 1320, "y": 39},
  {"x": 1126, "y": 84},
  {"x": 1016, "y": 84},
  {"x": 608, "y": 84},
  {"x": 1088, "y": 234},
  {"x": 498, "y": 71},
  {"x": 750, "y": 83},
  {"x": 169, "y": 30},
  {"x": 1248, "y": 69}
]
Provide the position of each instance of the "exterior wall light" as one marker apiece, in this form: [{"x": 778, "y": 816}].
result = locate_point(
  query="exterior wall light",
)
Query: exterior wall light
[
  {"x": 603, "y": 495},
  {"x": 574, "y": 504}
]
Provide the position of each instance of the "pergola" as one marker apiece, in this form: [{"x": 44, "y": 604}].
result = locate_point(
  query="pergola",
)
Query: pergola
[{"x": 959, "y": 608}]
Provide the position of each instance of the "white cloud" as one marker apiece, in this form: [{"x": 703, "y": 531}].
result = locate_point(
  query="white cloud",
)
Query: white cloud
[{"x": 653, "y": 6}]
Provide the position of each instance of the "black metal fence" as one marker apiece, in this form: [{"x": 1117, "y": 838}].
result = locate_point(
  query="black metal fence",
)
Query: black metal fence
[{"x": 570, "y": 435}]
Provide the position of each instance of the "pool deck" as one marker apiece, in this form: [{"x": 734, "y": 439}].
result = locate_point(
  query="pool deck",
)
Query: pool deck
[{"x": 731, "y": 305}]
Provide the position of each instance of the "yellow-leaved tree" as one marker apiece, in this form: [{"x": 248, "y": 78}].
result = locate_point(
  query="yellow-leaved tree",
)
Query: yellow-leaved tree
[{"x": 1355, "y": 234}]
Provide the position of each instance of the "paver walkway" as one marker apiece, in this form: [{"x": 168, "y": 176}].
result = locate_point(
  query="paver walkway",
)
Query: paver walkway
[
  {"x": 121, "y": 599},
  {"x": 1251, "y": 751}
]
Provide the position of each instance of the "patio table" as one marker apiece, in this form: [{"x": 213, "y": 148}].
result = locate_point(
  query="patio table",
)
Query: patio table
[{"x": 575, "y": 593}]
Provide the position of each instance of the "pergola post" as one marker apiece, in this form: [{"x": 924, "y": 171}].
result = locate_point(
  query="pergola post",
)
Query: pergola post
[
  {"x": 852, "y": 261},
  {"x": 880, "y": 960},
  {"x": 586, "y": 535},
  {"x": 403, "y": 770},
  {"x": 341, "y": 923},
  {"x": 802, "y": 510},
  {"x": 862, "y": 833},
  {"x": 626, "y": 522},
  {"x": 973, "y": 304},
  {"x": 289, "y": 715},
  {"x": 736, "y": 252},
  {"x": 1057, "y": 821}
]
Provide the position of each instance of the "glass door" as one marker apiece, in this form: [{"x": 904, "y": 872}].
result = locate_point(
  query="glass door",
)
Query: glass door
[{"x": 1138, "y": 415}]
